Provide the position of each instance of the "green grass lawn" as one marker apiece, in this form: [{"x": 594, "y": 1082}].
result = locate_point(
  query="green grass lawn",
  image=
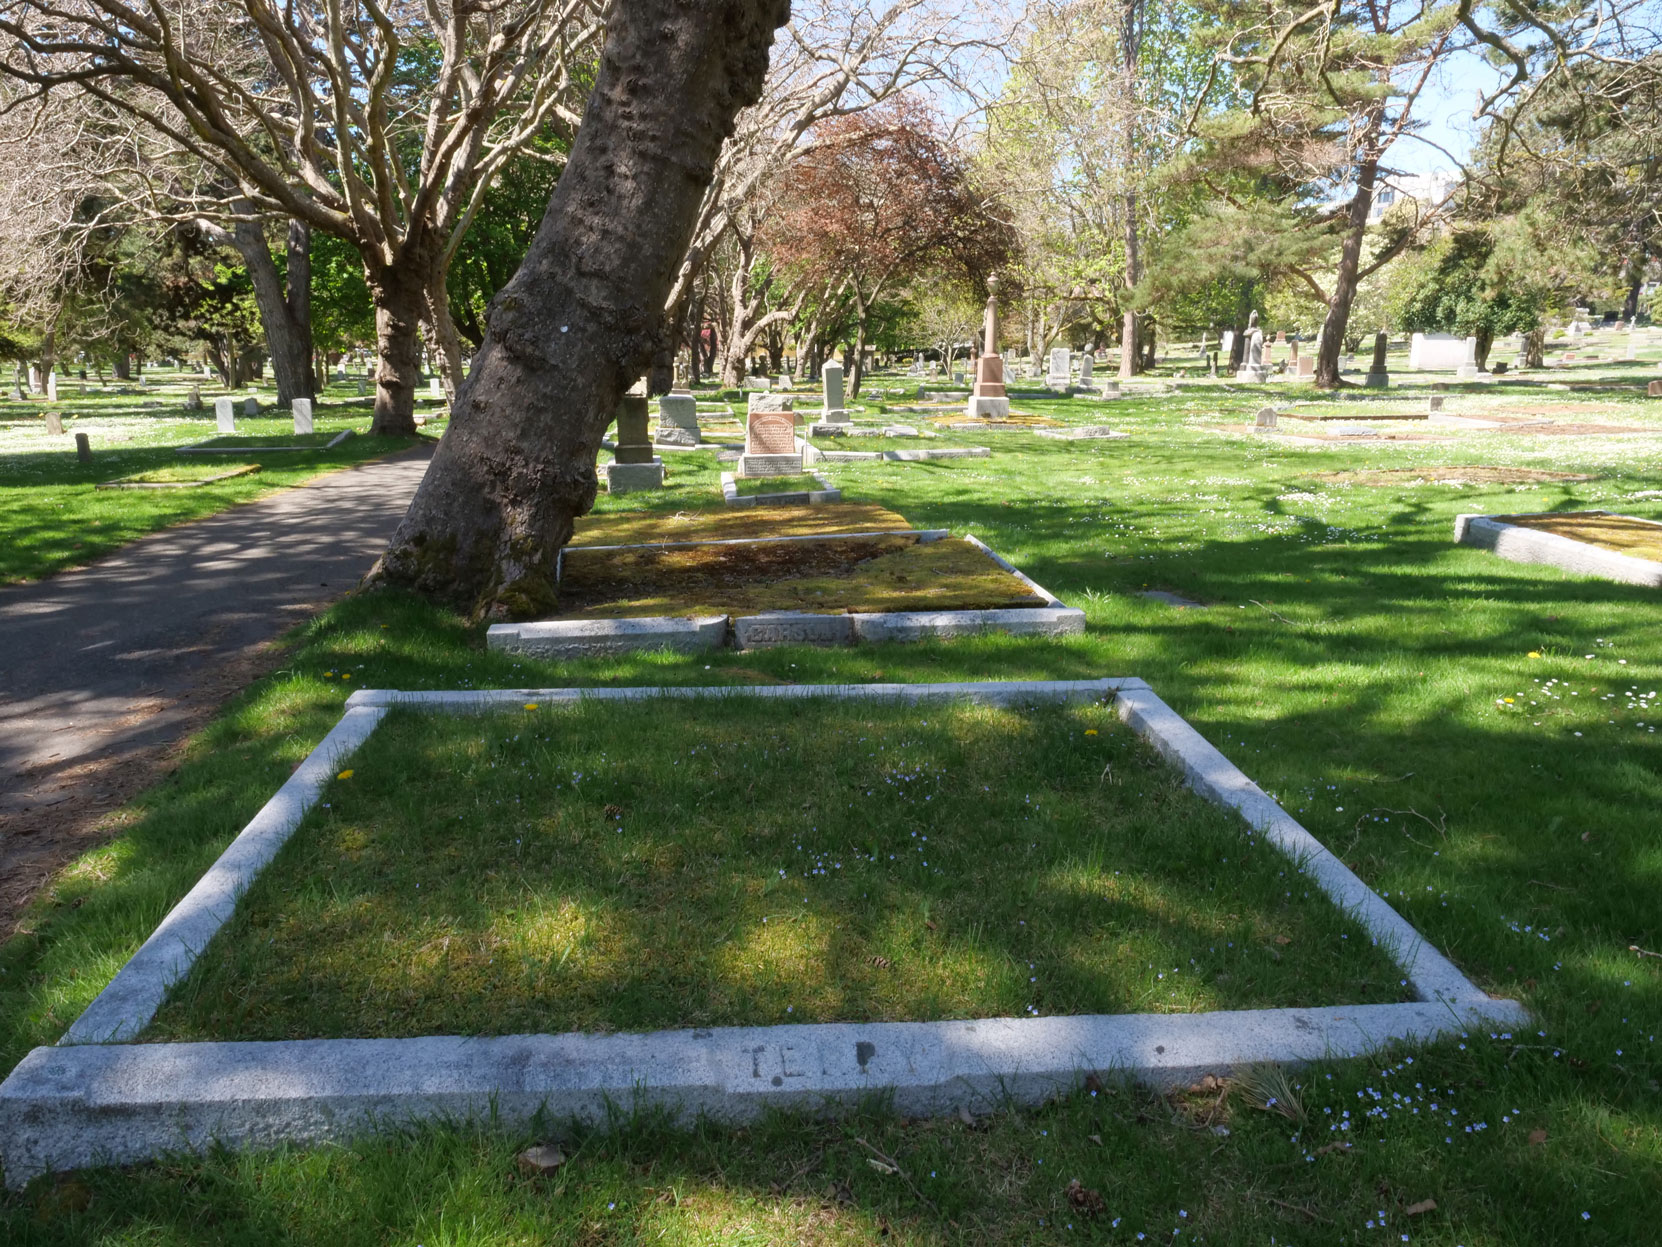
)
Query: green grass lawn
[
  {"x": 51, "y": 515},
  {"x": 1474, "y": 737},
  {"x": 524, "y": 872}
]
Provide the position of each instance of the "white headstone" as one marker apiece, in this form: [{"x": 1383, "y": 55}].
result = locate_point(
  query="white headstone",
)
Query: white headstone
[
  {"x": 302, "y": 408},
  {"x": 1438, "y": 352},
  {"x": 831, "y": 378},
  {"x": 1061, "y": 360},
  {"x": 435, "y": 386},
  {"x": 250, "y": 406},
  {"x": 225, "y": 415}
]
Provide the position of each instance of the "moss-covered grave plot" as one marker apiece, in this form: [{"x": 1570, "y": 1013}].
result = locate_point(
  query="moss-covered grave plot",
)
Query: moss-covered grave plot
[
  {"x": 1625, "y": 534},
  {"x": 644, "y": 527},
  {"x": 662, "y": 572},
  {"x": 615, "y": 866},
  {"x": 833, "y": 576},
  {"x": 182, "y": 476}
]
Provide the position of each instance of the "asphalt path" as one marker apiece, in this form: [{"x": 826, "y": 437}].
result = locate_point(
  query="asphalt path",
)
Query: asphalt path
[{"x": 105, "y": 669}]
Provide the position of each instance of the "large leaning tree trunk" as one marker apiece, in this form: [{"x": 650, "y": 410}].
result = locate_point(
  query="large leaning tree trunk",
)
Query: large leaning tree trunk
[{"x": 578, "y": 324}]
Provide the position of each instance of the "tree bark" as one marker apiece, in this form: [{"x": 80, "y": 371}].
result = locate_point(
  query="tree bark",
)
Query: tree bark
[
  {"x": 399, "y": 293},
  {"x": 1129, "y": 333},
  {"x": 1350, "y": 259},
  {"x": 288, "y": 339},
  {"x": 577, "y": 325}
]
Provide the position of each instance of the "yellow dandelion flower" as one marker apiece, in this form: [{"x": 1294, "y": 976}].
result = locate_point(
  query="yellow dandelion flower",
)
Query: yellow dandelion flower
[
  {"x": 346, "y": 774},
  {"x": 1534, "y": 653},
  {"x": 1090, "y": 731},
  {"x": 530, "y": 705}
]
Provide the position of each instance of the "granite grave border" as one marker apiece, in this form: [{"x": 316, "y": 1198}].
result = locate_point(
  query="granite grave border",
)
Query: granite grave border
[
  {"x": 801, "y": 497},
  {"x": 96, "y": 1099},
  {"x": 579, "y": 638},
  {"x": 1520, "y": 544},
  {"x": 128, "y": 483},
  {"x": 202, "y": 448}
]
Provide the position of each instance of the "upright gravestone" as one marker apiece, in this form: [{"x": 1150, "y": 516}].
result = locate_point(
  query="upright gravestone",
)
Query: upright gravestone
[
  {"x": 1305, "y": 365},
  {"x": 225, "y": 416},
  {"x": 1467, "y": 371},
  {"x": 678, "y": 419},
  {"x": 1253, "y": 367},
  {"x": 989, "y": 400},
  {"x": 1087, "y": 367},
  {"x": 51, "y": 385},
  {"x": 54, "y": 423},
  {"x": 1061, "y": 368},
  {"x": 1654, "y": 390},
  {"x": 831, "y": 381},
  {"x": 83, "y": 448},
  {"x": 1203, "y": 352},
  {"x": 361, "y": 387},
  {"x": 770, "y": 438},
  {"x": 250, "y": 406},
  {"x": 1226, "y": 347},
  {"x": 302, "y": 409},
  {"x": 1266, "y": 418},
  {"x": 1378, "y": 378},
  {"x": 194, "y": 402},
  {"x": 633, "y": 465}
]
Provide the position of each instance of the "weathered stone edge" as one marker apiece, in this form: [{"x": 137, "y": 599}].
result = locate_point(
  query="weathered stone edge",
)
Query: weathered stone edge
[
  {"x": 66, "y": 1108},
  {"x": 126, "y": 1005},
  {"x": 1518, "y": 544},
  {"x": 1431, "y": 975}
]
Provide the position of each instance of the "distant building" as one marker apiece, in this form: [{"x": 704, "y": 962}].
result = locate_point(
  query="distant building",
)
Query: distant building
[{"x": 1429, "y": 190}]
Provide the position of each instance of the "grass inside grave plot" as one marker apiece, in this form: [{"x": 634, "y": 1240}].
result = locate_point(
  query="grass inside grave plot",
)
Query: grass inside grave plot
[
  {"x": 633, "y": 528},
  {"x": 308, "y": 441},
  {"x": 749, "y": 485},
  {"x": 1625, "y": 534},
  {"x": 859, "y": 574},
  {"x": 609, "y": 867},
  {"x": 188, "y": 473}
]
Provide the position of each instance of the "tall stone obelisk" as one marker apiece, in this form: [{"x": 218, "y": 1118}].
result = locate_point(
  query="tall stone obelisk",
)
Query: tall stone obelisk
[{"x": 989, "y": 401}]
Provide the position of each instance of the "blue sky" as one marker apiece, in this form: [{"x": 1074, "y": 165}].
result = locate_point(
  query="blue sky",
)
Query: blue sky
[{"x": 1446, "y": 107}]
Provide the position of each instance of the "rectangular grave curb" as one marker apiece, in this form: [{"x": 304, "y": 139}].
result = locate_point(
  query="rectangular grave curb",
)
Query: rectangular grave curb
[
  {"x": 1090, "y": 432},
  {"x": 87, "y": 1102},
  {"x": 797, "y": 498},
  {"x": 206, "y": 480},
  {"x": 604, "y": 637},
  {"x": 1519, "y": 544},
  {"x": 200, "y": 448},
  {"x": 68, "y": 1108},
  {"x": 588, "y": 638}
]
